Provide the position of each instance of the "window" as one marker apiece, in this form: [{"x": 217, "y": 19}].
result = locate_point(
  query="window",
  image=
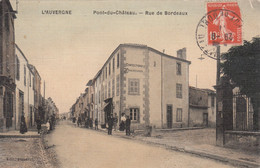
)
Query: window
[
  {"x": 178, "y": 68},
  {"x": 98, "y": 96},
  {"x": 212, "y": 101},
  {"x": 134, "y": 114},
  {"x": 102, "y": 93},
  {"x": 113, "y": 64},
  {"x": 113, "y": 87},
  {"x": 33, "y": 83},
  {"x": 109, "y": 70},
  {"x": 17, "y": 68},
  {"x": 92, "y": 98},
  {"x": 117, "y": 85},
  {"x": 179, "y": 90},
  {"x": 24, "y": 76},
  {"x": 133, "y": 86},
  {"x": 117, "y": 60},
  {"x": 30, "y": 80},
  {"x": 103, "y": 75},
  {"x": 105, "y": 91},
  {"x": 106, "y": 72},
  {"x": 179, "y": 115},
  {"x": 108, "y": 89}
]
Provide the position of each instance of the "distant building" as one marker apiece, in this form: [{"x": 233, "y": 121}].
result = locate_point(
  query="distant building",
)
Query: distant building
[
  {"x": 149, "y": 86},
  {"x": 38, "y": 100},
  {"x": 7, "y": 66},
  {"x": 202, "y": 107}
]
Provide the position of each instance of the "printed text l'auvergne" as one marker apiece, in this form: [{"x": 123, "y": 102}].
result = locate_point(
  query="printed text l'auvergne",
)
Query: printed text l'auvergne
[{"x": 57, "y": 12}]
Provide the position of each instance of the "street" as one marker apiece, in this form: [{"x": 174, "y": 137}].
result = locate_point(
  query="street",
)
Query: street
[{"x": 80, "y": 147}]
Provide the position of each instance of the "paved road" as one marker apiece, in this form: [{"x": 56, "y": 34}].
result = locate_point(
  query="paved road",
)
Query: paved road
[{"x": 79, "y": 147}]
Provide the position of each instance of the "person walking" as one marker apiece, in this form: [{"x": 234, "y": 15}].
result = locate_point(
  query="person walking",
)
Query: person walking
[
  {"x": 96, "y": 124},
  {"x": 122, "y": 123},
  {"x": 110, "y": 125},
  {"x": 39, "y": 124},
  {"x": 115, "y": 120},
  {"x": 127, "y": 125}
]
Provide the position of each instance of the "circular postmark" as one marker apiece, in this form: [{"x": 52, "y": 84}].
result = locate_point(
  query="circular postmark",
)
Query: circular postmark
[{"x": 219, "y": 26}]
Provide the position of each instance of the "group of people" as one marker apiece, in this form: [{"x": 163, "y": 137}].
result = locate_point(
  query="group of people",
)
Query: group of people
[
  {"x": 88, "y": 123},
  {"x": 124, "y": 124},
  {"x": 50, "y": 124},
  {"x": 112, "y": 122}
]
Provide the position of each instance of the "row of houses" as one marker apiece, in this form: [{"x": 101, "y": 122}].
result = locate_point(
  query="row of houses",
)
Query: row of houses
[
  {"x": 150, "y": 87},
  {"x": 20, "y": 82}
]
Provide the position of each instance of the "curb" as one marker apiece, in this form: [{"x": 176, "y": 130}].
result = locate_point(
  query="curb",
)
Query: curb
[
  {"x": 231, "y": 161},
  {"x": 19, "y": 136}
]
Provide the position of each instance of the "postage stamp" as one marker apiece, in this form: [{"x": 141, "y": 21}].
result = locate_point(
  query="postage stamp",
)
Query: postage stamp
[{"x": 221, "y": 25}]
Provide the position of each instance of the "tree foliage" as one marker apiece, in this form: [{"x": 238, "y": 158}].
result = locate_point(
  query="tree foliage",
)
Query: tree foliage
[{"x": 241, "y": 64}]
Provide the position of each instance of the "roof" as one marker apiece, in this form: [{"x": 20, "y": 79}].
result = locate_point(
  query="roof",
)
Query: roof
[
  {"x": 89, "y": 83},
  {"x": 33, "y": 67},
  {"x": 143, "y": 47},
  {"x": 209, "y": 91},
  {"x": 16, "y": 46}
]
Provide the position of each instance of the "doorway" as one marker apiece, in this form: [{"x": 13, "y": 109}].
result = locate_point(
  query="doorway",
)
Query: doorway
[
  {"x": 169, "y": 116},
  {"x": 205, "y": 119}
]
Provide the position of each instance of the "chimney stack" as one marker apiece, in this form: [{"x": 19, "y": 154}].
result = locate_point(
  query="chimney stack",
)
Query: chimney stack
[{"x": 181, "y": 53}]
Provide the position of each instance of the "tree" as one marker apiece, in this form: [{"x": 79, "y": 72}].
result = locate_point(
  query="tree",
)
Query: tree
[{"x": 241, "y": 64}]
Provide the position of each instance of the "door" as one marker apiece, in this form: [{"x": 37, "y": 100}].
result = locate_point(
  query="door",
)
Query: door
[
  {"x": 21, "y": 107},
  {"x": 31, "y": 116},
  {"x": 169, "y": 116},
  {"x": 205, "y": 119}
]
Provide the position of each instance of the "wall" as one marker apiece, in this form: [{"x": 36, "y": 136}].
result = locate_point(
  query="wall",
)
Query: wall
[{"x": 169, "y": 90}]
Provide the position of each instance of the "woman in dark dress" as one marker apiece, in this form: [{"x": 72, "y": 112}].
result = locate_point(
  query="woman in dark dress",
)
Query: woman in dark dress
[{"x": 23, "y": 127}]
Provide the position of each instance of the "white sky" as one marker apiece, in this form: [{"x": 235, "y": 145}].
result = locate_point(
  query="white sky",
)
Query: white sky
[{"x": 68, "y": 50}]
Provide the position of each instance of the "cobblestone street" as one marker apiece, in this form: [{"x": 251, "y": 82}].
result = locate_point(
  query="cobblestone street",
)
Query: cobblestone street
[{"x": 22, "y": 153}]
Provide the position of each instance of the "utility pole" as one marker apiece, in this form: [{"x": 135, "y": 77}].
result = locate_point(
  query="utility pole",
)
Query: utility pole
[{"x": 219, "y": 114}]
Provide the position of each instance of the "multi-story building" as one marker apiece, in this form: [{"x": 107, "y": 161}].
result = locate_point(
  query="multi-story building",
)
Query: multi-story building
[
  {"x": 38, "y": 100},
  {"x": 97, "y": 97},
  {"x": 24, "y": 90},
  {"x": 149, "y": 86},
  {"x": 7, "y": 66}
]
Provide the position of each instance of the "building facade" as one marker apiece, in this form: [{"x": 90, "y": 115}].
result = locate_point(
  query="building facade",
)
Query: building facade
[
  {"x": 149, "y": 86},
  {"x": 202, "y": 104},
  {"x": 24, "y": 90},
  {"x": 7, "y": 66}
]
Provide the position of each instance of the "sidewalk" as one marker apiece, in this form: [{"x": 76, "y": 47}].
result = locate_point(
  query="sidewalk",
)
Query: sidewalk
[
  {"x": 17, "y": 134},
  {"x": 197, "y": 142}
]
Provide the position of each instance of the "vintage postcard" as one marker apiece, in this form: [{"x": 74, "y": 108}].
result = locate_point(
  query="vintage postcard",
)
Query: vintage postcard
[{"x": 129, "y": 84}]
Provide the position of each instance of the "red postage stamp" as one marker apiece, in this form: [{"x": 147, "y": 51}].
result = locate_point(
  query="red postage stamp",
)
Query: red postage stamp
[{"x": 224, "y": 23}]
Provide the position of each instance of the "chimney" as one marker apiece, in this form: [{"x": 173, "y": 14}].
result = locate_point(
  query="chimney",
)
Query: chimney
[{"x": 181, "y": 53}]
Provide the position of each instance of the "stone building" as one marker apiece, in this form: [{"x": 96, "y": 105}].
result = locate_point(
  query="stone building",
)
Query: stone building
[
  {"x": 7, "y": 66},
  {"x": 149, "y": 86},
  {"x": 202, "y": 107},
  {"x": 24, "y": 90}
]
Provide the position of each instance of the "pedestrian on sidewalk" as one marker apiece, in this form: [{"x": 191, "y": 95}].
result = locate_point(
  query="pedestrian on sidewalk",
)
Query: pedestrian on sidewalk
[
  {"x": 96, "y": 124},
  {"x": 122, "y": 123},
  {"x": 23, "y": 127},
  {"x": 48, "y": 125},
  {"x": 79, "y": 121},
  {"x": 39, "y": 124},
  {"x": 87, "y": 123},
  {"x": 115, "y": 121},
  {"x": 127, "y": 125},
  {"x": 110, "y": 125},
  {"x": 91, "y": 123}
]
